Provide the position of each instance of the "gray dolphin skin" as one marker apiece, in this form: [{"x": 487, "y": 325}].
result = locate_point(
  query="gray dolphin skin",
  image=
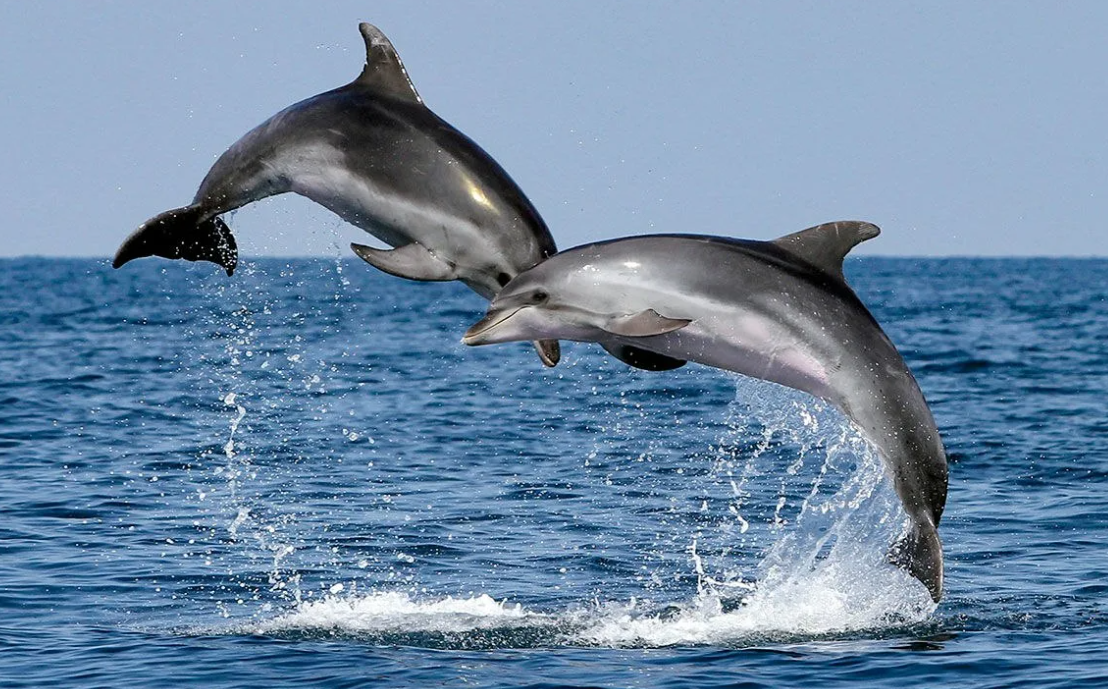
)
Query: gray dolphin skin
[
  {"x": 375, "y": 155},
  {"x": 778, "y": 310}
]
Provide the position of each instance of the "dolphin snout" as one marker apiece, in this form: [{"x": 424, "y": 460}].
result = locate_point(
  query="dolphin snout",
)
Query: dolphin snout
[
  {"x": 490, "y": 330},
  {"x": 481, "y": 332}
]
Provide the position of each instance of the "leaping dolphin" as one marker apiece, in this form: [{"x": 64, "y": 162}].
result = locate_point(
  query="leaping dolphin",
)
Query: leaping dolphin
[
  {"x": 374, "y": 154},
  {"x": 778, "y": 310}
]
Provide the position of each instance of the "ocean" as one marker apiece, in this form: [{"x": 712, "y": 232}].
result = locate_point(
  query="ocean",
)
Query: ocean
[{"x": 298, "y": 476}]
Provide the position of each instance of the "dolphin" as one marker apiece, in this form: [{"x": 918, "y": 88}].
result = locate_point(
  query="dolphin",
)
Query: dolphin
[
  {"x": 375, "y": 155},
  {"x": 777, "y": 310}
]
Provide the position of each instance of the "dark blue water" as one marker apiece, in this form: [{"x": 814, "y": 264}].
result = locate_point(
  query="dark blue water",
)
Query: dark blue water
[{"x": 298, "y": 476}]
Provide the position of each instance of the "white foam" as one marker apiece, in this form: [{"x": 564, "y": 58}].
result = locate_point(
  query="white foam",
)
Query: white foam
[
  {"x": 831, "y": 599},
  {"x": 806, "y": 607},
  {"x": 396, "y": 612}
]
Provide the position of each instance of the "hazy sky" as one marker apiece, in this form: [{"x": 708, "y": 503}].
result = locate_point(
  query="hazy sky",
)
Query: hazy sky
[{"x": 960, "y": 128}]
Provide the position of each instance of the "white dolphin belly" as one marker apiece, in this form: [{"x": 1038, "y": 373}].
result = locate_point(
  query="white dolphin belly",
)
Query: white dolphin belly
[
  {"x": 748, "y": 343},
  {"x": 319, "y": 173}
]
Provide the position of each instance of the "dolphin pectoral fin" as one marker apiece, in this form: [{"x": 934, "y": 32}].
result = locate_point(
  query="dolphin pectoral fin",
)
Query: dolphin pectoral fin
[
  {"x": 180, "y": 233},
  {"x": 644, "y": 324},
  {"x": 383, "y": 69},
  {"x": 549, "y": 351},
  {"x": 825, "y": 246},
  {"x": 640, "y": 358},
  {"x": 920, "y": 553},
  {"x": 411, "y": 261}
]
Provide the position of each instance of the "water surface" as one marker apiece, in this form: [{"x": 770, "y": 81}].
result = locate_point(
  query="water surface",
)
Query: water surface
[{"x": 299, "y": 476}]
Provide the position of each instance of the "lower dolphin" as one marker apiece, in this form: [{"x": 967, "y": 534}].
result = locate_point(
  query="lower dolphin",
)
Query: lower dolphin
[
  {"x": 374, "y": 154},
  {"x": 779, "y": 310}
]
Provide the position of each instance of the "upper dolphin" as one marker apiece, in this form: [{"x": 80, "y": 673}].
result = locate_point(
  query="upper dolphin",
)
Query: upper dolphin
[
  {"x": 374, "y": 154},
  {"x": 778, "y": 310}
]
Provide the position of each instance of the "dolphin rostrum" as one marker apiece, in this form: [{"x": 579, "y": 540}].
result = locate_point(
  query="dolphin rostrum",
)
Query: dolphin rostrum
[
  {"x": 778, "y": 310},
  {"x": 374, "y": 154}
]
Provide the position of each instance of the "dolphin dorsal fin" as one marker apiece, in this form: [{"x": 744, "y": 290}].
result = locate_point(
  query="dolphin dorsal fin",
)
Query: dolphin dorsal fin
[
  {"x": 383, "y": 69},
  {"x": 825, "y": 246}
]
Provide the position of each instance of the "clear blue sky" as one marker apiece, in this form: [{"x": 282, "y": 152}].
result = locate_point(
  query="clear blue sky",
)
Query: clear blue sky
[{"x": 960, "y": 128}]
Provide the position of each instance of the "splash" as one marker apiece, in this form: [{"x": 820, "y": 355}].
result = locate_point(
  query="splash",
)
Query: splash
[
  {"x": 813, "y": 608},
  {"x": 779, "y": 555}
]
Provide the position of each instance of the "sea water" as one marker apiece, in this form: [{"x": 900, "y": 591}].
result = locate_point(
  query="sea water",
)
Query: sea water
[{"x": 298, "y": 476}]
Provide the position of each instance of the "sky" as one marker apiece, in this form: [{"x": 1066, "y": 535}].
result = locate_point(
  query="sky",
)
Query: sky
[{"x": 961, "y": 128}]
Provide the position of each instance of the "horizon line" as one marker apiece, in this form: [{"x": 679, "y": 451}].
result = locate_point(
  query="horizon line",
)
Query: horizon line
[{"x": 331, "y": 257}]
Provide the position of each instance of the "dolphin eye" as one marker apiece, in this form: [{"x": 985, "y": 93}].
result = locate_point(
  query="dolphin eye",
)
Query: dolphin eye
[
  {"x": 539, "y": 296},
  {"x": 503, "y": 279}
]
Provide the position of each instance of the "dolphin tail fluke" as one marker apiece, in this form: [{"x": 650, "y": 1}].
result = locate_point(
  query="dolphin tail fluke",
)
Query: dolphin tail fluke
[
  {"x": 920, "y": 553},
  {"x": 181, "y": 233}
]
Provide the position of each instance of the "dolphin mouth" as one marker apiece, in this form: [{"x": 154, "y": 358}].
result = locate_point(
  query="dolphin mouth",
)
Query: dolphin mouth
[{"x": 480, "y": 333}]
